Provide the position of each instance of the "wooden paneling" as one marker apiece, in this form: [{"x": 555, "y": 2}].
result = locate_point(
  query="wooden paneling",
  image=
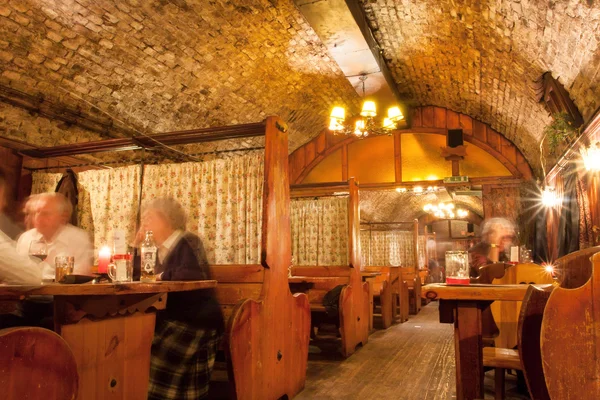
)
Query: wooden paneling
[{"x": 434, "y": 120}]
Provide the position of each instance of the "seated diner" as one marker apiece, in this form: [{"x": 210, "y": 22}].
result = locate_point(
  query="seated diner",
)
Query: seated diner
[{"x": 298, "y": 199}]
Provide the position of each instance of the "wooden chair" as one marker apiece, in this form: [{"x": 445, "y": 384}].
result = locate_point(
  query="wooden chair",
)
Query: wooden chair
[
  {"x": 528, "y": 356},
  {"x": 501, "y": 321},
  {"x": 570, "y": 339},
  {"x": 36, "y": 363}
]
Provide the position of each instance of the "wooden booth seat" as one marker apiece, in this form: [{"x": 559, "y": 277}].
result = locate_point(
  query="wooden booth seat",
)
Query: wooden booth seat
[
  {"x": 353, "y": 317},
  {"x": 390, "y": 294},
  {"x": 236, "y": 283},
  {"x": 413, "y": 280}
]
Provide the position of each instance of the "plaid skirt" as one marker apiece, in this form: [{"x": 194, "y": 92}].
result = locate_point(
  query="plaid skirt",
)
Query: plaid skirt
[{"x": 182, "y": 360}]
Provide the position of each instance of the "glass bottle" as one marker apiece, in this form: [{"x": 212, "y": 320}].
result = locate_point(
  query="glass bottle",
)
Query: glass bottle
[{"x": 148, "y": 258}]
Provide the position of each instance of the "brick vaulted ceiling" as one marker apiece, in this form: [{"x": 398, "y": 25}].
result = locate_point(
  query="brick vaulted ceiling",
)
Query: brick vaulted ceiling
[
  {"x": 481, "y": 57},
  {"x": 163, "y": 65}
]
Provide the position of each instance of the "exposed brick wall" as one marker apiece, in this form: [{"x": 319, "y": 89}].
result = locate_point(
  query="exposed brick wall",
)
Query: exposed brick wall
[
  {"x": 481, "y": 57},
  {"x": 171, "y": 65}
]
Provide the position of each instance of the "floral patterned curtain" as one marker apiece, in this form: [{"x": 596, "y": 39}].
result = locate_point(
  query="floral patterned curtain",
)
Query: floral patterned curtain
[
  {"x": 389, "y": 248},
  {"x": 222, "y": 197},
  {"x": 422, "y": 250},
  {"x": 108, "y": 200},
  {"x": 224, "y": 202},
  {"x": 320, "y": 231},
  {"x": 42, "y": 182},
  {"x": 365, "y": 248}
]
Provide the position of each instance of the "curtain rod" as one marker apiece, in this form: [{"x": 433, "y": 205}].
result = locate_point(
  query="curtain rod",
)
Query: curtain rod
[{"x": 137, "y": 161}]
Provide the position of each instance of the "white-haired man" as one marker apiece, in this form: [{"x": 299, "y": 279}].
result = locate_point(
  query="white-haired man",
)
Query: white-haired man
[{"x": 52, "y": 212}]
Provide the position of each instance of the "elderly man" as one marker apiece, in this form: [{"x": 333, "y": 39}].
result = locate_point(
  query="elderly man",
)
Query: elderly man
[
  {"x": 186, "y": 334},
  {"x": 52, "y": 211},
  {"x": 14, "y": 268}
]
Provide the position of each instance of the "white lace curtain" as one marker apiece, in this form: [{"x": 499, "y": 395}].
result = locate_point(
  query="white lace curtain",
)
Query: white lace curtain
[
  {"x": 223, "y": 200},
  {"x": 320, "y": 231},
  {"x": 381, "y": 248}
]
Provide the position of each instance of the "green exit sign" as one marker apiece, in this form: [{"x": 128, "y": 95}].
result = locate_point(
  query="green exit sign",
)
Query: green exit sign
[{"x": 456, "y": 179}]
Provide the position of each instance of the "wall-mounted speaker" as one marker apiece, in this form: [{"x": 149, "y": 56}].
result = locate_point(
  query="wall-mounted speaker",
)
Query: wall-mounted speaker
[
  {"x": 470, "y": 228},
  {"x": 454, "y": 138}
]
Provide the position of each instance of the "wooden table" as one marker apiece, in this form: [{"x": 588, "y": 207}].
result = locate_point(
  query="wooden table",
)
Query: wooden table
[
  {"x": 109, "y": 328},
  {"x": 462, "y": 306}
]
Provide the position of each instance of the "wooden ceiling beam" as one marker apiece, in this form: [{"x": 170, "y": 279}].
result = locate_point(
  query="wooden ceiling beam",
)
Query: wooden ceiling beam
[{"x": 151, "y": 141}]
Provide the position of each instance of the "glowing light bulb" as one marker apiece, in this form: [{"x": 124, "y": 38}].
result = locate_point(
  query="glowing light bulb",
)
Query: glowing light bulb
[
  {"x": 368, "y": 109},
  {"x": 395, "y": 114},
  {"x": 549, "y": 198},
  {"x": 418, "y": 189}
]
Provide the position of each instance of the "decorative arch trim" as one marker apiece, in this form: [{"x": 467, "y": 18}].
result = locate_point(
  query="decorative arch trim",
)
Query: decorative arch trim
[{"x": 429, "y": 119}]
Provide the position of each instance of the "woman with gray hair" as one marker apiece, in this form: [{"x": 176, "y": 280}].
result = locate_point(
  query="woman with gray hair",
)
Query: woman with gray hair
[
  {"x": 497, "y": 235},
  {"x": 187, "y": 331}
]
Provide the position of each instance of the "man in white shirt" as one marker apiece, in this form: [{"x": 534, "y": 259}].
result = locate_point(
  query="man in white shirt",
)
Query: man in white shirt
[
  {"x": 16, "y": 269},
  {"x": 53, "y": 210}
]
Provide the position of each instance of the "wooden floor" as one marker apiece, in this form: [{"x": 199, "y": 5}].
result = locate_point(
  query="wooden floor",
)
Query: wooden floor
[{"x": 414, "y": 360}]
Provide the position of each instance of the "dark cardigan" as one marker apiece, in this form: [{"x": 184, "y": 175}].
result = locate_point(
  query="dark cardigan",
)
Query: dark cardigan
[{"x": 187, "y": 261}]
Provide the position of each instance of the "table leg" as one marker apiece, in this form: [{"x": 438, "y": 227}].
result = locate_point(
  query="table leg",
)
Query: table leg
[{"x": 468, "y": 350}]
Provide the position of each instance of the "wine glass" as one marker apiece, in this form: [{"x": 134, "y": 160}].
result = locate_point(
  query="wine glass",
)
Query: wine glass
[{"x": 39, "y": 249}]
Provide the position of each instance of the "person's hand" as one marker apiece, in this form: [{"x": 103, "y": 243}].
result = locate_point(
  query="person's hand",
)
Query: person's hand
[{"x": 159, "y": 277}]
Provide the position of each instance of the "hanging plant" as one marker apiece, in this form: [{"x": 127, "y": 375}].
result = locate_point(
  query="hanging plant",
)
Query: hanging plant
[{"x": 560, "y": 132}]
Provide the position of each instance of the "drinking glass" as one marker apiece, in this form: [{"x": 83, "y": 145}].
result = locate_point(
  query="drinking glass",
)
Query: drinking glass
[
  {"x": 63, "y": 266},
  {"x": 121, "y": 269},
  {"x": 39, "y": 249}
]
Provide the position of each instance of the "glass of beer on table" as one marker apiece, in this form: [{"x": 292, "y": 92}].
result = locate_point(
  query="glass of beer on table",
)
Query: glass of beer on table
[{"x": 63, "y": 266}]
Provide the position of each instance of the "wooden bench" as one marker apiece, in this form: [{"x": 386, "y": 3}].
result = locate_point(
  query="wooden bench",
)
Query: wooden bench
[
  {"x": 391, "y": 292},
  {"x": 413, "y": 280},
  {"x": 353, "y": 317},
  {"x": 267, "y": 328}
]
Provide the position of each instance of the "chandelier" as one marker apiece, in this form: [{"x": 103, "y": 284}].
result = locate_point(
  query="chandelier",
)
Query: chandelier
[
  {"x": 445, "y": 211},
  {"x": 366, "y": 124}
]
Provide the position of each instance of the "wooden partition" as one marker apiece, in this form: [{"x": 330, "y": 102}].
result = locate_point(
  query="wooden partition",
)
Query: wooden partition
[
  {"x": 354, "y": 300},
  {"x": 267, "y": 339}
]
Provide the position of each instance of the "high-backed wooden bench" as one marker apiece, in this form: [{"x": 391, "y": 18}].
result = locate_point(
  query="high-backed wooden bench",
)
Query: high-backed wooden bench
[
  {"x": 391, "y": 291},
  {"x": 354, "y": 301},
  {"x": 268, "y": 328},
  {"x": 413, "y": 280}
]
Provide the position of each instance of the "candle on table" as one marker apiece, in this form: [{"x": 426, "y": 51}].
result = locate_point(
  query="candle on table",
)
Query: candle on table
[{"x": 103, "y": 260}]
